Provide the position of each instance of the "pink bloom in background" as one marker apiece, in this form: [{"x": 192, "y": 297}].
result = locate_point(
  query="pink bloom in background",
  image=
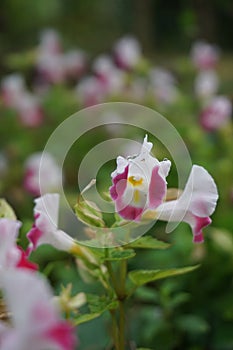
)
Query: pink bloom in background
[
  {"x": 204, "y": 55},
  {"x": 16, "y": 96},
  {"x": 111, "y": 78},
  {"x": 139, "y": 187},
  {"x": 102, "y": 66},
  {"x": 48, "y": 177},
  {"x": 35, "y": 322},
  {"x": 51, "y": 68},
  {"x": 90, "y": 91},
  {"x": 30, "y": 112},
  {"x": 127, "y": 52},
  {"x": 163, "y": 85},
  {"x": 206, "y": 84},
  {"x": 75, "y": 62},
  {"x": 216, "y": 114},
  {"x": 50, "y": 41},
  {"x": 10, "y": 254},
  {"x": 45, "y": 229},
  {"x": 50, "y": 63},
  {"x": 55, "y": 66},
  {"x": 12, "y": 89}
]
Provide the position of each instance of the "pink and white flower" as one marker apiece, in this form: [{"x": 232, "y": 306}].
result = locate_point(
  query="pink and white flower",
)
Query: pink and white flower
[
  {"x": 75, "y": 62},
  {"x": 206, "y": 84},
  {"x": 111, "y": 78},
  {"x": 12, "y": 89},
  {"x": 163, "y": 85},
  {"x": 45, "y": 229},
  {"x": 26, "y": 104},
  {"x": 139, "y": 183},
  {"x": 127, "y": 52},
  {"x": 35, "y": 322},
  {"x": 29, "y": 109},
  {"x": 204, "y": 55},
  {"x": 48, "y": 176},
  {"x": 139, "y": 188},
  {"x": 90, "y": 91},
  {"x": 50, "y": 63},
  {"x": 216, "y": 114},
  {"x": 11, "y": 255}
]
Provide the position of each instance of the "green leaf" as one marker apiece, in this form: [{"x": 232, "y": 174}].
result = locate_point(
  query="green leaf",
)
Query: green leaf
[
  {"x": 148, "y": 242},
  {"x": 140, "y": 277},
  {"x": 85, "y": 318},
  {"x": 6, "y": 210},
  {"x": 97, "y": 306},
  {"x": 119, "y": 254},
  {"x": 192, "y": 324}
]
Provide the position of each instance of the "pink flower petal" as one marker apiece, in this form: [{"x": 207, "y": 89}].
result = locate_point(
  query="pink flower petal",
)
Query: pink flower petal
[
  {"x": 119, "y": 184},
  {"x": 62, "y": 334},
  {"x": 157, "y": 189},
  {"x": 131, "y": 213}
]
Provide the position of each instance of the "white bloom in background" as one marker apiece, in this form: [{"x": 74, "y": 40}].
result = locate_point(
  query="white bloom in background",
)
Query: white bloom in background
[
  {"x": 51, "y": 67},
  {"x": 75, "y": 62},
  {"x": 136, "y": 89},
  {"x": 90, "y": 91},
  {"x": 12, "y": 89},
  {"x": 49, "y": 176},
  {"x": 206, "y": 84},
  {"x": 35, "y": 321},
  {"x": 50, "y": 41},
  {"x": 163, "y": 85},
  {"x": 204, "y": 55},
  {"x": 50, "y": 63},
  {"x": 29, "y": 110},
  {"x": 216, "y": 114},
  {"x": 103, "y": 65},
  {"x": 127, "y": 52},
  {"x": 112, "y": 78}
]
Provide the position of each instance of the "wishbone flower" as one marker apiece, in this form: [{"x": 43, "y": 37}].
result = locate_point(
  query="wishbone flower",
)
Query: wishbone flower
[
  {"x": 45, "y": 229},
  {"x": 11, "y": 255},
  {"x": 34, "y": 321},
  {"x": 139, "y": 190}
]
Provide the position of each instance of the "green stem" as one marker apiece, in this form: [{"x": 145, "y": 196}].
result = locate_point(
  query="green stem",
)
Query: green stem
[
  {"x": 121, "y": 325},
  {"x": 115, "y": 330},
  {"x": 121, "y": 293},
  {"x": 118, "y": 284}
]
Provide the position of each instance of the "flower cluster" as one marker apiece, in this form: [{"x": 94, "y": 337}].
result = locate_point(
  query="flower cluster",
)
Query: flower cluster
[{"x": 216, "y": 110}]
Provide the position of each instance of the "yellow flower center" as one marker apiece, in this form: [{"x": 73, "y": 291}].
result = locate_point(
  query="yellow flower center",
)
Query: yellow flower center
[{"x": 134, "y": 181}]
